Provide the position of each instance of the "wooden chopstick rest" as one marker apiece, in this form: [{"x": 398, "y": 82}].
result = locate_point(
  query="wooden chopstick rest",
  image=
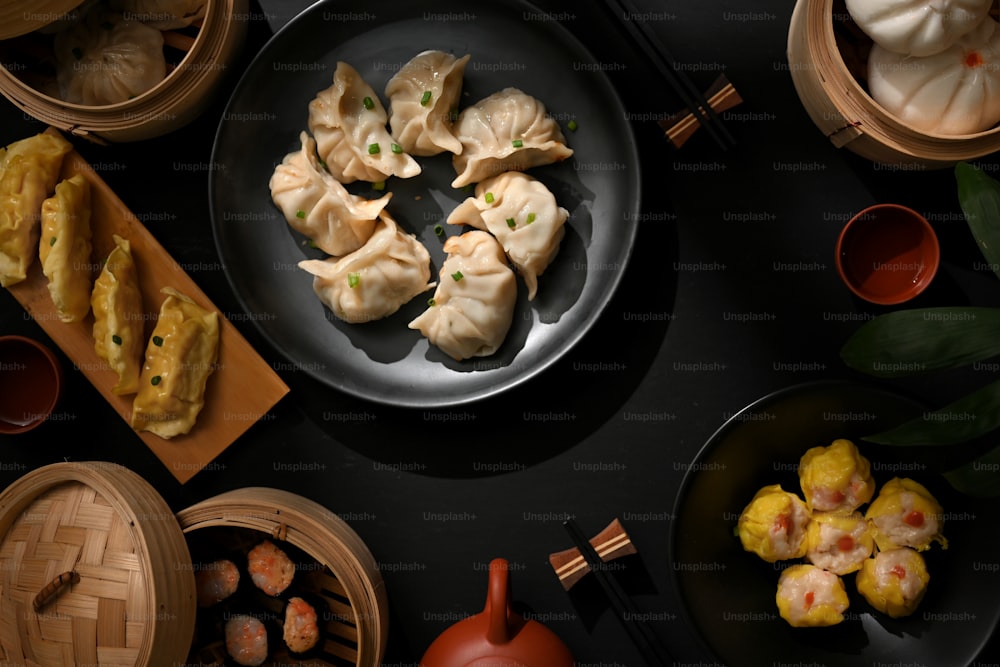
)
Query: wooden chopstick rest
[
  {"x": 679, "y": 127},
  {"x": 611, "y": 543}
]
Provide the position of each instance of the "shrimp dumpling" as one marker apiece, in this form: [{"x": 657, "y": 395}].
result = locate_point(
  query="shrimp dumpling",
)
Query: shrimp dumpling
[
  {"x": 523, "y": 216},
  {"x": 163, "y": 14},
  {"x": 774, "y": 524},
  {"x": 473, "y": 306},
  {"x": 348, "y": 121},
  {"x": 507, "y": 131},
  {"x": 65, "y": 248},
  {"x": 375, "y": 280},
  {"x": 422, "y": 97},
  {"x": 809, "y": 597},
  {"x": 318, "y": 206}
]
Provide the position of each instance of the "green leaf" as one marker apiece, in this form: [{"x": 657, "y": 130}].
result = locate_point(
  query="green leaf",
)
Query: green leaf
[
  {"x": 980, "y": 477},
  {"x": 969, "y": 417},
  {"x": 979, "y": 196},
  {"x": 909, "y": 342}
]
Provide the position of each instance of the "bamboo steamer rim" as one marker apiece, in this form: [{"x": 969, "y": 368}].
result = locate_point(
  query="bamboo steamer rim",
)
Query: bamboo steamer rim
[
  {"x": 845, "y": 111},
  {"x": 319, "y": 532},
  {"x": 19, "y": 17}
]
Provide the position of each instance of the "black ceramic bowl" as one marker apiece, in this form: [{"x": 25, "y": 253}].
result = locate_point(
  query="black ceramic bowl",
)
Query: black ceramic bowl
[{"x": 728, "y": 593}]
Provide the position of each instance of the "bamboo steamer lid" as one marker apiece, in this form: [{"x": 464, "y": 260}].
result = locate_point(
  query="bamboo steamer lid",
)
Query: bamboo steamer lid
[
  {"x": 19, "y": 17},
  {"x": 133, "y": 602},
  {"x": 844, "y": 111}
]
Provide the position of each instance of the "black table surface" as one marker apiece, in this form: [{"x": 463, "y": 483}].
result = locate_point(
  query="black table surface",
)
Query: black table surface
[{"x": 730, "y": 294}]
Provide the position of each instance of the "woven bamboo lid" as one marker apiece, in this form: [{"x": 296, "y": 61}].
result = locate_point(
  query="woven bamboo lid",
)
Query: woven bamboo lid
[
  {"x": 128, "y": 596},
  {"x": 19, "y": 17}
]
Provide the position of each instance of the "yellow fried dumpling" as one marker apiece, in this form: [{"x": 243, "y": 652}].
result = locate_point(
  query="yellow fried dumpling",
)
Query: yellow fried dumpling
[
  {"x": 835, "y": 478},
  {"x": 773, "y": 525},
  {"x": 809, "y": 596},
  {"x": 29, "y": 170},
  {"x": 64, "y": 248},
  {"x": 837, "y": 542},
  {"x": 905, "y": 514},
  {"x": 118, "y": 317},
  {"x": 894, "y": 581},
  {"x": 180, "y": 356}
]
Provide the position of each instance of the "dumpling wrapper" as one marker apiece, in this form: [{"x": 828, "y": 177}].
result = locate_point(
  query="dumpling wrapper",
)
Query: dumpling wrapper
[
  {"x": 29, "y": 170},
  {"x": 894, "y": 581},
  {"x": 917, "y": 27},
  {"x": 351, "y": 137},
  {"x": 375, "y": 280},
  {"x": 64, "y": 248},
  {"x": 423, "y": 96},
  {"x": 506, "y": 131},
  {"x": 523, "y": 216},
  {"x": 318, "y": 206},
  {"x": 118, "y": 317},
  {"x": 473, "y": 305},
  {"x": 181, "y": 355}
]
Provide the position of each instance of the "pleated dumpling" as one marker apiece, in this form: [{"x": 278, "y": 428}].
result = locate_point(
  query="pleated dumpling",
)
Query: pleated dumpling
[
  {"x": 375, "y": 280},
  {"x": 423, "y": 96},
  {"x": 65, "y": 246},
  {"x": 318, "y": 206},
  {"x": 348, "y": 121},
  {"x": 473, "y": 306},
  {"x": 29, "y": 170},
  {"x": 118, "y": 317},
  {"x": 507, "y": 131},
  {"x": 523, "y": 216}
]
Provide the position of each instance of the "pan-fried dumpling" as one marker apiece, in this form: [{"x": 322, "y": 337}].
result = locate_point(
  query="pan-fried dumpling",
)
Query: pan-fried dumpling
[
  {"x": 473, "y": 305},
  {"x": 107, "y": 59},
  {"x": 29, "y": 170},
  {"x": 375, "y": 280},
  {"x": 162, "y": 14},
  {"x": 180, "y": 356},
  {"x": 523, "y": 216},
  {"x": 118, "y": 317},
  {"x": 348, "y": 121},
  {"x": 316, "y": 205},
  {"x": 64, "y": 249},
  {"x": 423, "y": 96},
  {"x": 507, "y": 131}
]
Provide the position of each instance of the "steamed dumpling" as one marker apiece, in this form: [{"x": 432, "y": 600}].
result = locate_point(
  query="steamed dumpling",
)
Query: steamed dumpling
[
  {"x": 375, "y": 280},
  {"x": 422, "y": 98},
  {"x": 523, "y": 216},
  {"x": 64, "y": 249},
  {"x": 107, "y": 59},
  {"x": 118, "y": 317},
  {"x": 507, "y": 131},
  {"x": 318, "y": 206},
  {"x": 917, "y": 27},
  {"x": 163, "y": 14},
  {"x": 473, "y": 305},
  {"x": 348, "y": 121}
]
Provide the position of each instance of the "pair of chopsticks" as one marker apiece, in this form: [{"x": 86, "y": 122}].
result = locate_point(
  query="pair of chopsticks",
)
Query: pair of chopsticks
[
  {"x": 658, "y": 54},
  {"x": 625, "y": 610}
]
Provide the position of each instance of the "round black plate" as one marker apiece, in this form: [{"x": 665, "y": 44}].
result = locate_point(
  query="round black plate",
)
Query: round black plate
[
  {"x": 728, "y": 593},
  {"x": 511, "y": 44}
]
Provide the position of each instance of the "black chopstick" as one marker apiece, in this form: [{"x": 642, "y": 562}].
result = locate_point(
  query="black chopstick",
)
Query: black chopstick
[
  {"x": 642, "y": 636},
  {"x": 658, "y": 54}
]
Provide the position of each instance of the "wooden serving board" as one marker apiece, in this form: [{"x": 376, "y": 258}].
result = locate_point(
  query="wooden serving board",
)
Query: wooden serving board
[{"x": 243, "y": 386}]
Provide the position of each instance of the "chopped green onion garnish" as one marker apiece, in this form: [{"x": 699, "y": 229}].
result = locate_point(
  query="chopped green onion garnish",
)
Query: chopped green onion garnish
[
  {"x": 353, "y": 279},
  {"x": 396, "y": 148},
  {"x": 531, "y": 218},
  {"x": 439, "y": 230},
  {"x": 312, "y": 244},
  {"x": 489, "y": 197},
  {"x": 369, "y": 103},
  {"x": 157, "y": 341},
  {"x": 52, "y": 241},
  {"x": 517, "y": 143},
  {"x": 511, "y": 223},
  {"x": 457, "y": 276},
  {"x": 425, "y": 99},
  {"x": 116, "y": 339},
  {"x": 373, "y": 149},
  {"x": 322, "y": 163},
  {"x": 300, "y": 214},
  {"x": 571, "y": 126},
  {"x": 431, "y": 302},
  {"x": 155, "y": 380},
  {"x": 378, "y": 185}
]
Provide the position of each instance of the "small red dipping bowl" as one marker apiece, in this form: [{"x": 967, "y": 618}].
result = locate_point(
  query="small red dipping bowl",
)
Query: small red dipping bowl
[
  {"x": 887, "y": 254},
  {"x": 30, "y": 382}
]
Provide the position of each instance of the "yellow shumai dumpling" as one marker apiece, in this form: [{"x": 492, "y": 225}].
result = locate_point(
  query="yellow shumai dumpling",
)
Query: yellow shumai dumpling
[
  {"x": 773, "y": 524},
  {"x": 905, "y": 514},
  {"x": 835, "y": 478},
  {"x": 64, "y": 248},
  {"x": 180, "y": 356},
  {"x": 837, "y": 542},
  {"x": 894, "y": 581},
  {"x": 118, "y": 317},
  {"x": 809, "y": 596},
  {"x": 29, "y": 170}
]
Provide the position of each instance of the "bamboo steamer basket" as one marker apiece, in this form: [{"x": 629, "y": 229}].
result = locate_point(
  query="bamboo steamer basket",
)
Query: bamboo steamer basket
[
  {"x": 177, "y": 100},
  {"x": 355, "y": 628},
  {"x": 844, "y": 111},
  {"x": 132, "y": 603}
]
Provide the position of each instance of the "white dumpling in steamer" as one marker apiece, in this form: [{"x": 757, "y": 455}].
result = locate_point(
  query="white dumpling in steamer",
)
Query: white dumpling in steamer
[
  {"x": 506, "y": 131},
  {"x": 163, "y": 14},
  {"x": 106, "y": 59},
  {"x": 473, "y": 305},
  {"x": 422, "y": 97},
  {"x": 318, "y": 206},
  {"x": 348, "y": 121},
  {"x": 523, "y": 216},
  {"x": 375, "y": 280}
]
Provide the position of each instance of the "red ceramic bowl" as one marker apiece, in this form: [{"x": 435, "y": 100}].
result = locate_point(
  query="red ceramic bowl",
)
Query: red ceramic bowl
[
  {"x": 887, "y": 254},
  {"x": 30, "y": 382}
]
